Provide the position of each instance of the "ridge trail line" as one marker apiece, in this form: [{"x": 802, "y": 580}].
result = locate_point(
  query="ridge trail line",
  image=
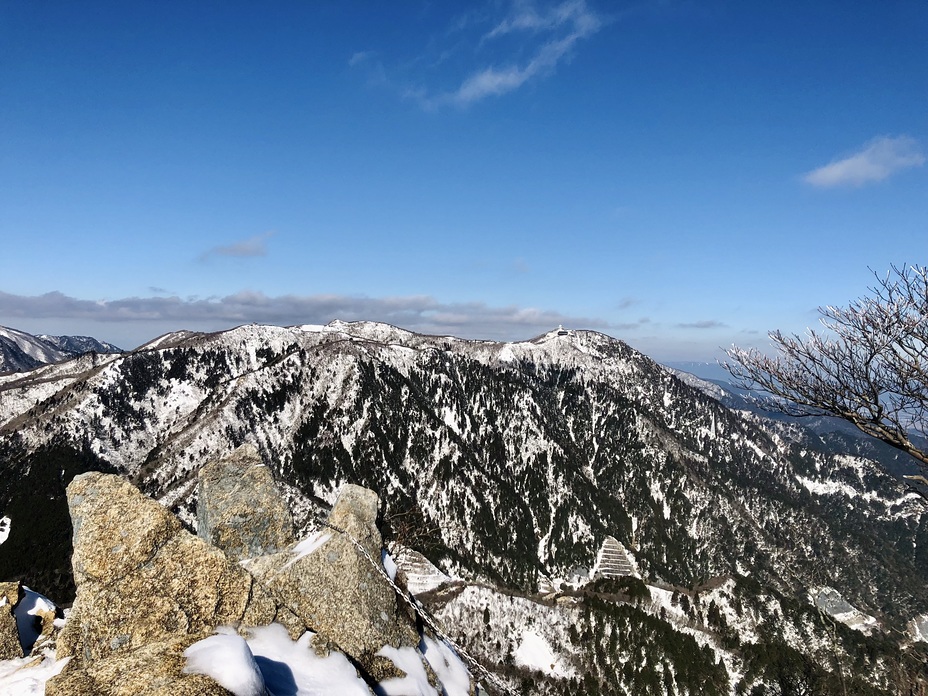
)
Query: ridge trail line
[{"x": 484, "y": 674}]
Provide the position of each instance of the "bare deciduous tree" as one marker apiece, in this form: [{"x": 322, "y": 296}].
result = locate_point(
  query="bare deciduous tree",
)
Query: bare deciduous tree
[{"x": 869, "y": 366}]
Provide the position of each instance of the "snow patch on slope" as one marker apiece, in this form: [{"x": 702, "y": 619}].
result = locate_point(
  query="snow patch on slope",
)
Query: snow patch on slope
[{"x": 535, "y": 653}]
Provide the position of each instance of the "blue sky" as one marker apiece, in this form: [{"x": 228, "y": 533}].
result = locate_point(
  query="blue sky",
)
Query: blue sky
[{"x": 680, "y": 175}]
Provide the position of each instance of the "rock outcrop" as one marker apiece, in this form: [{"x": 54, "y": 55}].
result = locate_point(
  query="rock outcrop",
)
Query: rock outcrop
[
  {"x": 337, "y": 590},
  {"x": 143, "y": 580},
  {"x": 240, "y": 509},
  {"x": 147, "y": 589}
]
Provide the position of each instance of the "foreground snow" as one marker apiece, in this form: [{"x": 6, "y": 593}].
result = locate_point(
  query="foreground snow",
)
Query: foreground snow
[
  {"x": 27, "y": 675},
  {"x": 269, "y": 663}
]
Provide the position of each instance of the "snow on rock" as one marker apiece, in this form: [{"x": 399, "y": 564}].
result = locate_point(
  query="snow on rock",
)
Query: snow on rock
[
  {"x": 452, "y": 673},
  {"x": 269, "y": 662},
  {"x": 26, "y": 677},
  {"x": 830, "y": 601},
  {"x": 389, "y": 564},
  {"x": 4, "y": 529},
  {"x": 226, "y": 658},
  {"x": 309, "y": 673},
  {"x": 415, "y": 683},
  {"x": 307, "y": 546},
  {"x": 918, "y": 628},
  {"x": 27, "y": 613}
]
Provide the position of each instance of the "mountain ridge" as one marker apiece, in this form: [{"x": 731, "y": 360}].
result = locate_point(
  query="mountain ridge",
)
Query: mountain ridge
[
  {"x": 524, "y": 455},
  {"x": 21, "y": 351}
]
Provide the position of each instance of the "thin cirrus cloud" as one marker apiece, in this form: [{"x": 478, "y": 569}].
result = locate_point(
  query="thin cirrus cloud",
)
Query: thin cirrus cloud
[
  {"x": 875, "y": 161},
  {"x": 562, "y": 26},
  {"x": 529, "y": 42},
  {"x": 417, "y": 313},
  {"x": 251, "y": 247}
]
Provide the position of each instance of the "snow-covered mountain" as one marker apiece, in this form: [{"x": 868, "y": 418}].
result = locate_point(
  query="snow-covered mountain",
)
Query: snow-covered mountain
[
  {"x": 517, "y": 461},
  {"x": 833, "y": 434},
  {"x": 75, "y": 345},
  {"x": 20, "y": 351}
]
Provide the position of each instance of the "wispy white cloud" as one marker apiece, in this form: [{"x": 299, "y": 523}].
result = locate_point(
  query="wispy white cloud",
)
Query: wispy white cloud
[
  {"x": 418, "y": 313},
  {"x": 526, "y": 17},
  {"x": 253, "y": 246},
  {"x": 563, "y": 25},
  {"x": 876, "y": 161},
  {"x": 524, "y": 43}
]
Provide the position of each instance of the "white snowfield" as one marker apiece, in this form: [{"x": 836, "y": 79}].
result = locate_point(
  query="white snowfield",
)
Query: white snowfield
[{"x": 535, "y": 653}]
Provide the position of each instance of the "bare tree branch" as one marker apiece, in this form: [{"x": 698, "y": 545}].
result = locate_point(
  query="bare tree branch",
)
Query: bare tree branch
[{"x": 869, "y": 366}]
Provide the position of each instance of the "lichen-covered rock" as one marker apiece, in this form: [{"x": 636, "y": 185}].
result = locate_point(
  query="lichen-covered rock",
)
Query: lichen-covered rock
[
  {"x": 147, "y": 589},
  {"x": 142, "y": 579},
  {"x": 151, "y": 670},
  {"x": 338, "y": 592},
  {"x": 239, "y": 508},
  {"x": 10, "y": 647}
]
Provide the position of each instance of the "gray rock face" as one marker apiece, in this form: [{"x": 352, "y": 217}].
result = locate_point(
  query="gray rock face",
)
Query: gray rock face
[
  {"x": 240, "y": 509},
  {"x": 336, "y": 591},
  {"x": 142, "y": 579},
  {"x": 831, "y": 602}
]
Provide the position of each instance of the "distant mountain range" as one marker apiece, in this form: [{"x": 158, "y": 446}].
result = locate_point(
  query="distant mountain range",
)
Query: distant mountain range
[
  {"x": 835, "y": 434},
  {"x": 20, "y": 351},
  {"x": 516, "y": 463}
]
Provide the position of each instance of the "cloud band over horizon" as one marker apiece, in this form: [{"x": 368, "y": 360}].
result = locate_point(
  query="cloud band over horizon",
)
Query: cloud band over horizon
[{"x": 420, "y": 313}]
